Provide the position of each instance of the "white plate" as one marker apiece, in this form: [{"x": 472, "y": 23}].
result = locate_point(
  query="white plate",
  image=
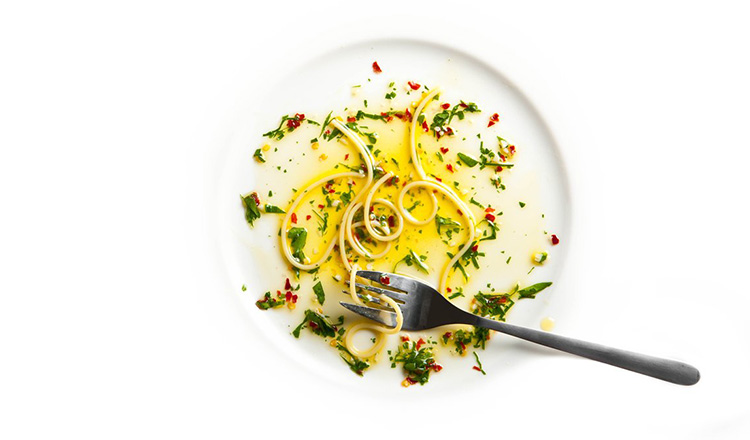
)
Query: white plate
[{"x": 324, "y": 82}]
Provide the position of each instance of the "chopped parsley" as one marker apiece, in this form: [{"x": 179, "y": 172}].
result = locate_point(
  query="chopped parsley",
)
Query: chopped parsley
[
  {"x": 448, "y": 225},
  {"x": 412, "y": 259},
  {"x": 258, "y": 155},
  {"x": 322, "y": 222},
  {"x": 251, "y": 202},
  {"x": 492, "y": 305},
  {"x": 271, "y": 209},
  {"x": 298, "y": 236},
  {"x": 531, "y": 291},
  {"x": 355, "y": 364},
  {"x": 468, "y": 160},
  {"x": 320, "y": 295},
  {"x": 478, "y": 367},
  {"x": 418, "y": 361},
  {"x": 269, "y": 302},
  {"x": 319, "y": 324}
]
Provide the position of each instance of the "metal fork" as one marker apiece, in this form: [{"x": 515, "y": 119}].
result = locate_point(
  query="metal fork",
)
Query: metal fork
[{"x": 423, "y": 307}]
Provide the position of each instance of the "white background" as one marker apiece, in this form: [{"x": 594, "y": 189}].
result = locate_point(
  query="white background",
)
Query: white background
[{"x": 115, "y": 321}]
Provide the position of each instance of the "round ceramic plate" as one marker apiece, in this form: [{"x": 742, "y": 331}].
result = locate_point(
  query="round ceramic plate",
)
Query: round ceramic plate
[{"x": 325, "y": 82}]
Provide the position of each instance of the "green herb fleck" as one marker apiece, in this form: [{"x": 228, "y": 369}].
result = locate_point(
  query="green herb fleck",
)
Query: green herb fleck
[
  {"x": 479, "y": 364},
  {"x": 319, "y": 293},
  {"x": 531, "y": 291}
]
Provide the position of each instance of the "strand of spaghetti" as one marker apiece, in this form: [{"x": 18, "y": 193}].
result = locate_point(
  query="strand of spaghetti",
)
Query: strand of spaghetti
[
  {"x": 287, "y": 218},
  {"x": 349, "y": 212},
  {"x": 352, "y": 238},
  {"x": 379, "y": 330},
  {"x": 425, "y": 182},
  {"x": 368, "y": 200},
  {"x": 465, "y": 213},
  {"x": 381, "y": 254},
  {"x": 368, "y": 176},
  {"x": 413, "y": 131}
]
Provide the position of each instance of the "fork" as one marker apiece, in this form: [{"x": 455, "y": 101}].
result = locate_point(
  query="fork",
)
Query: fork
[{"x": 423, "y": 308}]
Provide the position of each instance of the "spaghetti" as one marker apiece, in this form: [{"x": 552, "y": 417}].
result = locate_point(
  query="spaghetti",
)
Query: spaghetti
[{"x": 377, "y": 231}]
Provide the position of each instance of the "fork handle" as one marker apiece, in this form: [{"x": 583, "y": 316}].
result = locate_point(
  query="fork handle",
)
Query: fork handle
[{"x": 660, "y": 368}]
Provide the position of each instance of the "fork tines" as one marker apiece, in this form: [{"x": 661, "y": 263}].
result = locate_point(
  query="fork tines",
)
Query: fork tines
[
  {"x": 379, "y": 315},
  {"x": 390, "y": 280}
]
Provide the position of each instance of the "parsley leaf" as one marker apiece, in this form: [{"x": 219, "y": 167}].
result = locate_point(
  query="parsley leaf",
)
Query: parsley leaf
[
  {"x": 319, "y": 293},
  {"x": 270, "y": 209},
  {"x": 252, "y": 212},
  {"x": 531, "y": 291},
  {"x": 468, "y": 160},
  {"x": 298, "y": 236}
]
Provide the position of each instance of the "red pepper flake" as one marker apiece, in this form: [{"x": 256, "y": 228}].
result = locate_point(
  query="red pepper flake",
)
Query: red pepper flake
[
  {"x": 279, "y": 294},
  {"x": 448, "y": 335},
  {"x": 425, "y": 127},
  {"x": 445, "y": 106},
  {"x": 476, "y": 368},
  {"x": 502, "y": 300},
  {"x": 386, "y": 116},
  {"x": 331, "y": 191},
  {"x": 449, "y": 167},
  {"x": 449, "y": 131},
  {"x": 440, "y": 180},
  {"x": 443, "y": 150},
  {"x": 308, "y": 217},
  {"x": 414, "y": 86},
  {"x": 321, "y": 206},
  {"x": 287, "y": 285},
  {"x": 463, "y": 346},
  {"x": 254, "y": 196},
  {"x": 294, "y": 218},
  {"x": 327, "y": 132},
  {"x": 351, "y": 119},
  {"x": 490, "y": 209},
  {"x": 512, "y": 149},
  {"x": 292, "y": 123},
  {"x": 420, "y": 343},
  {"x": 411, "y": 381},
  {"x": 494, "y": 119},
  {"x": 462, "y": 104},
  {"x": 391, "y": 221},
  {"x": 407, "y": 114},
  {"x": 385, "y": 280},
  {"x": 300, "y": 116},
  {"x": 459, "y": 212},
  {"x": 376, "y": 67},
  {"x": 502, "y": 157},
  {"x": 554, "y": 239},
  {"x": 475, "y": 248},
  {"x": 448, "y": 289},
  {"x": 436, "y": 367},
  {"x": 498, "y": 169},
  {"x": 346, "y": 157},
  {"x": 489, "y": 217},
  {"x": 294, "y": 299},
  {"x": 288, "y": 296},
  {"x": 312, "y": 325},
  {"x": 404, "y": 338}
]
